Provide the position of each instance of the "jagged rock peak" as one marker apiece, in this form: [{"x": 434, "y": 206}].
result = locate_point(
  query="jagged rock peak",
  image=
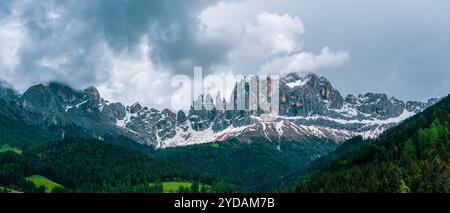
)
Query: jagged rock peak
[
  {"x": 136, "y": 107},
  {"x": 63, "y": 91},
  {"x": 92, "y": 92},
  {"x": 168, "y": 113},
  {"x": 181, "y": 117}
]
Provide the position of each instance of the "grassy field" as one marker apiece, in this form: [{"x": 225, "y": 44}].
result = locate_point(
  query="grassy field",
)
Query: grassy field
[
  {"x": 5, "y": 148},
  {"x": 173, "y": 186},
  {"x": 39, "y": 180},
  {"x": 9, "y": 190}
]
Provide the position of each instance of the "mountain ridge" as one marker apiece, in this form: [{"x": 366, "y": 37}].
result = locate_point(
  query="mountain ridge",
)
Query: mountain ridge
[{"x": 309, "y": 106}]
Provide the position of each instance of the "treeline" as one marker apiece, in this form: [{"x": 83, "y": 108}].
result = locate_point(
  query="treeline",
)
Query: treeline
[
  {"x": 13, "y": 170},
  {"x": 412, "y": 157}
]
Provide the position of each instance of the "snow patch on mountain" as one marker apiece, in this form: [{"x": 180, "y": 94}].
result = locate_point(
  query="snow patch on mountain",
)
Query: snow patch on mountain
[
  {"x": 297, "y": 83},
  {"x": 188, "y": 136},
  {"x": 122, "y": 123},
  {"x": 405, "y": 114}
]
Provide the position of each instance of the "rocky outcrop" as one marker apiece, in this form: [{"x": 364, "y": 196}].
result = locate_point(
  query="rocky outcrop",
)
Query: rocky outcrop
[{"x": 307, "y": 94}]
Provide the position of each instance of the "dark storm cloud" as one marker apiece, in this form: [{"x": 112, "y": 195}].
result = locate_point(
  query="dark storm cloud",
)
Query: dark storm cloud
[
  {"x": 172, "y": 26},
  {"x": 69, "y": 32}
]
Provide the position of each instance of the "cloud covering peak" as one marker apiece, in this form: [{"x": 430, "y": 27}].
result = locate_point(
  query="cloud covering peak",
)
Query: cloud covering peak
[{"x": 131, "y": 49}]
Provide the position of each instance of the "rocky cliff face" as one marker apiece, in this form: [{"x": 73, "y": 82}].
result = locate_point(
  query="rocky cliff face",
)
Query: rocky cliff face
[
  {"x": 308, "y": 106},
  {"x": 308, "y": 94}
]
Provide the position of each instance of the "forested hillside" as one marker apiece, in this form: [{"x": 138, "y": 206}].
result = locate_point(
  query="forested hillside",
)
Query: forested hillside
[
  {"x": 89, "y": 165},
  {"x": 248, "y": 165},
  {"x": 304, "y": 173},
  {"x": 412, "y": 157},
  {"x": 17, "y": 133}
]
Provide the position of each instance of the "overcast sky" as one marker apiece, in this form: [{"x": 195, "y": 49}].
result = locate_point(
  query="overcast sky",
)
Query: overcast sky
[{"x": 130, "y": 50}]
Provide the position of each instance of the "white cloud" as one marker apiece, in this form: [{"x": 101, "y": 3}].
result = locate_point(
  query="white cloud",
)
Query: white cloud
[
  {"x": 133, "y": 76},
  {"x": 54, "y": 63},
  {"x": 264, "y": 33},
  {"x": 305, "y": 61},
  {"x": 237, "y": 15},
  {"x": 264, "y": 42},
  {"x": 279, "y": 32},
  {"x": 12, "y": 34}
]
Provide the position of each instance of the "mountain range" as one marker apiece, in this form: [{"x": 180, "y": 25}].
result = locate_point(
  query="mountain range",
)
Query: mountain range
[
  {"x": 67, "y": 135},
  {"x": 309, "y": 106}
]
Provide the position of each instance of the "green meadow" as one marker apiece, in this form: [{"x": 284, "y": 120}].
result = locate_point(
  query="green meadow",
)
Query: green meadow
[
  {"x": 39, "y": 180},
  {"x": 8, "y": 190},
  {"x": 174, "y": 186},
  {"x": 5, "y": 148}
]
